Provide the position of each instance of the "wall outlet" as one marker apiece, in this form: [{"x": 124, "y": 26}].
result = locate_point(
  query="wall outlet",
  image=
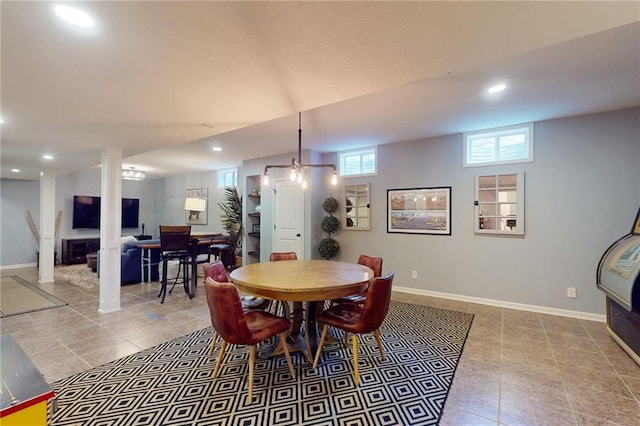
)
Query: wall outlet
[
  {"x": 571, "y": 292},
  {"x": 414, "y": 274}
]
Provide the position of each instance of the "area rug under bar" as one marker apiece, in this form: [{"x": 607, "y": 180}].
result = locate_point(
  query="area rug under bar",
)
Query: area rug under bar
[{"x": 18, "y": 296}]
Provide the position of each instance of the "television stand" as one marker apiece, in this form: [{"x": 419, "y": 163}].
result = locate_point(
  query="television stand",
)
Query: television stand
[{"x": 75, "y": 250}]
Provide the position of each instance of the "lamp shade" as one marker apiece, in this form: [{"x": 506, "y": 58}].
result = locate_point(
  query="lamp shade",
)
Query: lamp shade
[{"x": 195, "y": 204}]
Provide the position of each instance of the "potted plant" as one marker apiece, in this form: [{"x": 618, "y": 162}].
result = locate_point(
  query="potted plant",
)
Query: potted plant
[
  {"x": 330, "y": 224},
  {"x": 232, "y": 216}
]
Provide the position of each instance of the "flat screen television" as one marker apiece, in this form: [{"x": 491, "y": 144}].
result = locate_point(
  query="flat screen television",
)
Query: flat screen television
[{"x": 86, "y": 212}]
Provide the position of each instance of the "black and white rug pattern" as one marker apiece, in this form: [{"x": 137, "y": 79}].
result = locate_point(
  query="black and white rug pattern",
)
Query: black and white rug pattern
[{"x": 171, "y": 384}]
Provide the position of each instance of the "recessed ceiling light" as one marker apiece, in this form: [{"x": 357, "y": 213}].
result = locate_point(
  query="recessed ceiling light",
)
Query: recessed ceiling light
[
  {"x": 15, "y": 170},
  {"x": 497, "y": 88},
  {"x": 74, "y": 16},
  {"x": 217, "y": 148},
  {"x": 48, "y": 157}
]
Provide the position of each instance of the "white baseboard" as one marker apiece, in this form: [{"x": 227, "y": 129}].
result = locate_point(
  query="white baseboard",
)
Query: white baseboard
[
  {"x": 24, "y": 265},
  {"x": 502, "y": 304}
]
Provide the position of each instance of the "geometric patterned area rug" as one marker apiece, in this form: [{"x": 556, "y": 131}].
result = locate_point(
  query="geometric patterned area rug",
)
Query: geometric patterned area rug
[
  {"x": 18, "y": 296},
  {"x": 171, "y": 384}
]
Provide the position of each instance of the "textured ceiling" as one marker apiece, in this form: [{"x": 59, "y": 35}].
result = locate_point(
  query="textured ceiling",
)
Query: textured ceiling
[{"x": 165, "y": 81}]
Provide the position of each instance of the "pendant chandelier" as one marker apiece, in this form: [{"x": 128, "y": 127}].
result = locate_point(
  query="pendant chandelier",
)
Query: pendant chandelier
[
  {"x": 298, "y": 171},
  {"x": 132, "y": 174}
]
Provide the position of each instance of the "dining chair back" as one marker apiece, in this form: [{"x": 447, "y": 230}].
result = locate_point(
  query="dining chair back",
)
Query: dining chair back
[
  {"x": 175, "y": 241},
  {"x": 283, "y": 305},
  {"x": 373, "y": 263},
  {"x": 359, "y": 319},
  {"x": 202, "y": 247},
  {"x": 289, "y": 255},
  {"x": 226, "y": 252},
  {"x": 237, "y": 326},
  {"x": 175, "y": 237},
  {"x": 217, "y": 272}
]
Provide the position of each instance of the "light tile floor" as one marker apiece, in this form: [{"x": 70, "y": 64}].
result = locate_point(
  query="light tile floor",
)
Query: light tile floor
[{"x": 517, "y": 368}]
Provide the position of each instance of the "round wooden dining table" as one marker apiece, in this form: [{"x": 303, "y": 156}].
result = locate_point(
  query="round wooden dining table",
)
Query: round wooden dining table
[{"x": 298, "y": 281}]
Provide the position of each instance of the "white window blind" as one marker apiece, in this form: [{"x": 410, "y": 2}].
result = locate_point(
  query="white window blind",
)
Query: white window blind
[
  {"x": 512, "y": 144},
  {"x": 357, "y": 162}
]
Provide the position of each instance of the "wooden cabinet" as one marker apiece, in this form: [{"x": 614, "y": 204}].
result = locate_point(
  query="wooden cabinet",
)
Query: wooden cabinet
[{"x": 75, "y": 250}]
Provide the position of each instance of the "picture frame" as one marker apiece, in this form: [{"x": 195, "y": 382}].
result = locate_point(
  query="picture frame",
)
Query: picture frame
[
  {"x": 636, "y": 226},
  {"x": 256, "y": 228},
  {"x": 193, "y": 217},
  {"x": 424, "y": 210}
]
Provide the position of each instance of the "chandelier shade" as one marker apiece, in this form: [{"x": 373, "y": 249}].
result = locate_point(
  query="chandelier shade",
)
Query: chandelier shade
[
  {"x": 133, "y": 174},
  {"x": 298, "y": 169}
]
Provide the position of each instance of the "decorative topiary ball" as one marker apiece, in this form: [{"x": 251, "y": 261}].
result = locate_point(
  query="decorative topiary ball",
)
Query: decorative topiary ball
[
  {"x": 330, "y": 224},
  {"x": 330, "y": 205},
  {"x": 329, "y": 248}
]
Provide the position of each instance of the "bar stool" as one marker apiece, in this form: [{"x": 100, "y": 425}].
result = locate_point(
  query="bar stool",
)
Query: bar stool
[{"x": 175, "y": 245}]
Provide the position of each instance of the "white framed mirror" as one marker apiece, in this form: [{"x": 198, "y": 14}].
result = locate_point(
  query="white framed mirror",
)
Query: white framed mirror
[{"x": 356, "y": 210}]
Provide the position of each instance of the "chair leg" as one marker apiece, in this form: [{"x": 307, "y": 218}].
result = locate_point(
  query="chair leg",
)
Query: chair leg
[
  {"x": 219, "y": 359},
  {"x": 214, "y": 340},
  {"x": 355, "y": 359},
  {"x": 185, "y": 275},
  {"x": 285, "y": 348},
  {"x": 252, "y": 361},
  {"x": 377, "y": 334},
  {"x": 320, "y": 345},
  {"x": 163, "y": 283},
  {"x": 175, "y": 280}
]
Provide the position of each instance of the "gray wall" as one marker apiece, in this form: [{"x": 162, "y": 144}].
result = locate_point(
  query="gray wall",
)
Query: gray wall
[
  {"x": 17, "y": 245},
  {"x": 169, "y": 195},
  {"x": 582, "y": 193},
  {"x": 87, "y": 182},
  {"x": 161, "y": 202}
]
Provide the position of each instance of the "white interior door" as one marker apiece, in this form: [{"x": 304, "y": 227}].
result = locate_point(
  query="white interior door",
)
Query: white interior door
[{"x": 288, "y": 206}]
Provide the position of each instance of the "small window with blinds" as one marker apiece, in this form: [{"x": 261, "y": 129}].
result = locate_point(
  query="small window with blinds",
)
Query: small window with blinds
[
  {"x": 505, "y": 145},
  {"x": 228, "y": 177},
  {"x": 359, "y": 162}
]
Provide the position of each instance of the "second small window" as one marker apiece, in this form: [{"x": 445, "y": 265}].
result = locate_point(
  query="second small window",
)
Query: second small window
[{"x": 360, "y": 162}]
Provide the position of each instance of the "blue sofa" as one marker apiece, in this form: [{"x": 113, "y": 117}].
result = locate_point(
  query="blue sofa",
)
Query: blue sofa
[{"x": 130, "y": 269}]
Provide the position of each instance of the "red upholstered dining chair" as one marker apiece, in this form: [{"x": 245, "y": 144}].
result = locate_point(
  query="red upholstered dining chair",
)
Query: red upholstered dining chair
[
  {"x": 359, "y": 319},
  {"x": 278, "y": 256},
  {"x": 375, "y": 264},
  {"x": 217, "y": 272},
  {"x": 238, "y": 327},
  {"x": 289, "y": 255}
]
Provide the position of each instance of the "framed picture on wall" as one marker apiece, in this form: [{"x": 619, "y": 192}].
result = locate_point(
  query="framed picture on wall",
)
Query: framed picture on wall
[
  {"x": 196, "y": 206},
  {"x": 419, "y": 210}
]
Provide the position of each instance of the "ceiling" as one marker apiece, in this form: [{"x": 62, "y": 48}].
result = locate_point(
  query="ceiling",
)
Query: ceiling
[{"x": 167, "y": 81}]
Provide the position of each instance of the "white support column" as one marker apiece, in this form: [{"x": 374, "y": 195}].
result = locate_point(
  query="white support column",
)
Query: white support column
[
  {"x": 110, "y": 229},
  {"x": 47, "y": 227}
]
